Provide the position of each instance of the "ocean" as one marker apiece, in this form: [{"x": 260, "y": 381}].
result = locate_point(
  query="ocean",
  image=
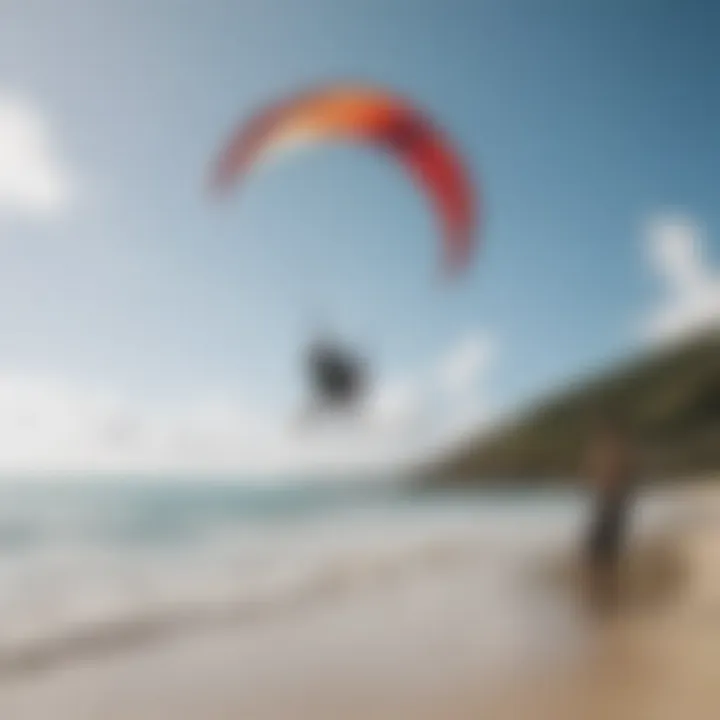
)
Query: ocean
[{"x": 89, "y": 565}]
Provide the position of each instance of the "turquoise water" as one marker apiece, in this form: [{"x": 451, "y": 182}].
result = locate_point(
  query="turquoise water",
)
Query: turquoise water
[
  {"x": 151, "y": 511},
  {"x": 79, "y": 559}
]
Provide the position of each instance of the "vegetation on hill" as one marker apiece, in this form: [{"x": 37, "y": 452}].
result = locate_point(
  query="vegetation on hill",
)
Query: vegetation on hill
[{"x": 669, "y": 400}]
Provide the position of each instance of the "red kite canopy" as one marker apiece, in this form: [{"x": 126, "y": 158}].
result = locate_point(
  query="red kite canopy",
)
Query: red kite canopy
[{"x": 364, "y": 114}]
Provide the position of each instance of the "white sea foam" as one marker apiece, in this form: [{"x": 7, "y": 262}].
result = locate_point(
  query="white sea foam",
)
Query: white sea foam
[{"x": 87, "y": 571}]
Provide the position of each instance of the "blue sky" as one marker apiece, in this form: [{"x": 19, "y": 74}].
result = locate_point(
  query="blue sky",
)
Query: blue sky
[{"x": 580, "y": 120}]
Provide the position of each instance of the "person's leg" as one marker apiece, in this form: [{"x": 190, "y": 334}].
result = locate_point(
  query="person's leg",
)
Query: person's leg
[
  {"x": 606, "y": 587},
  {"x": 602, "y": 578}
]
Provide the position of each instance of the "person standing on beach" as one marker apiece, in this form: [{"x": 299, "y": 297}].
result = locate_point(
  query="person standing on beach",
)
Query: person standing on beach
[{"x": 611, "y": 469}]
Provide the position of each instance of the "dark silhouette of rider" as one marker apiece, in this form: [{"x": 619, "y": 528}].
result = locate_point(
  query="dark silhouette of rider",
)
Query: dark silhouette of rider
[
  {"x": 611, "y": 468},
  {"x": 337, "y": 376}
]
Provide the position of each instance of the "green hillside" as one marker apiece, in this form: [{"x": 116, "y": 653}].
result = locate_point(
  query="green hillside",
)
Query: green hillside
[{"x": 671, "y": 401}]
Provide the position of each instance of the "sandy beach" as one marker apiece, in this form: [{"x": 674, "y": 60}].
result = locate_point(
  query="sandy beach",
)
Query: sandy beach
[
  {"x": 659, "y": 663},
  {"x": 418, "y": 647}
]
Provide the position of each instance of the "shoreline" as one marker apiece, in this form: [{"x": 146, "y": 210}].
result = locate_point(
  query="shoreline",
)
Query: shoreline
[
  {"x": 422, "y": 648},
  {"x": 662, "y": 663}
]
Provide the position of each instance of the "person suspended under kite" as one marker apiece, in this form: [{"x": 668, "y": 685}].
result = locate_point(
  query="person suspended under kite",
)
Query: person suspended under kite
[
  {"x": 370, "y": 115},
  {"x": 338, "y": 377}
]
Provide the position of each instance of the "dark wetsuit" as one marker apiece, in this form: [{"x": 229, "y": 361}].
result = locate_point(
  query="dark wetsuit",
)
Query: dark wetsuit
[
  {"x": 609, "y": 526},
  {"x": 337, "y": 377}
]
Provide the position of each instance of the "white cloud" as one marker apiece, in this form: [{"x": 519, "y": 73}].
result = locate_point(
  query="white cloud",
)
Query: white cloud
[
  {"x": 33, "y": 178},
  {"x": 50, "y": 424},
  {"x": 47, "y": 424},
  {"x": 460, "y": 369},
  {"x": 396, "y": 405},
  {"x": 439, "y": 399},
  {"x": 676, "y": 247}
]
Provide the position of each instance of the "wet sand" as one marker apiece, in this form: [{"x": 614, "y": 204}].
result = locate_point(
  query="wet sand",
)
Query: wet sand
[
  {"x": 660, "y": 662},
  {"x": 422, "y": 649}
]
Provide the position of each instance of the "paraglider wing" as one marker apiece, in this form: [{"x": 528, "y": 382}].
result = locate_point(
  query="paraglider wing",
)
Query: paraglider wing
[{"x": 364, "y": 114}]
